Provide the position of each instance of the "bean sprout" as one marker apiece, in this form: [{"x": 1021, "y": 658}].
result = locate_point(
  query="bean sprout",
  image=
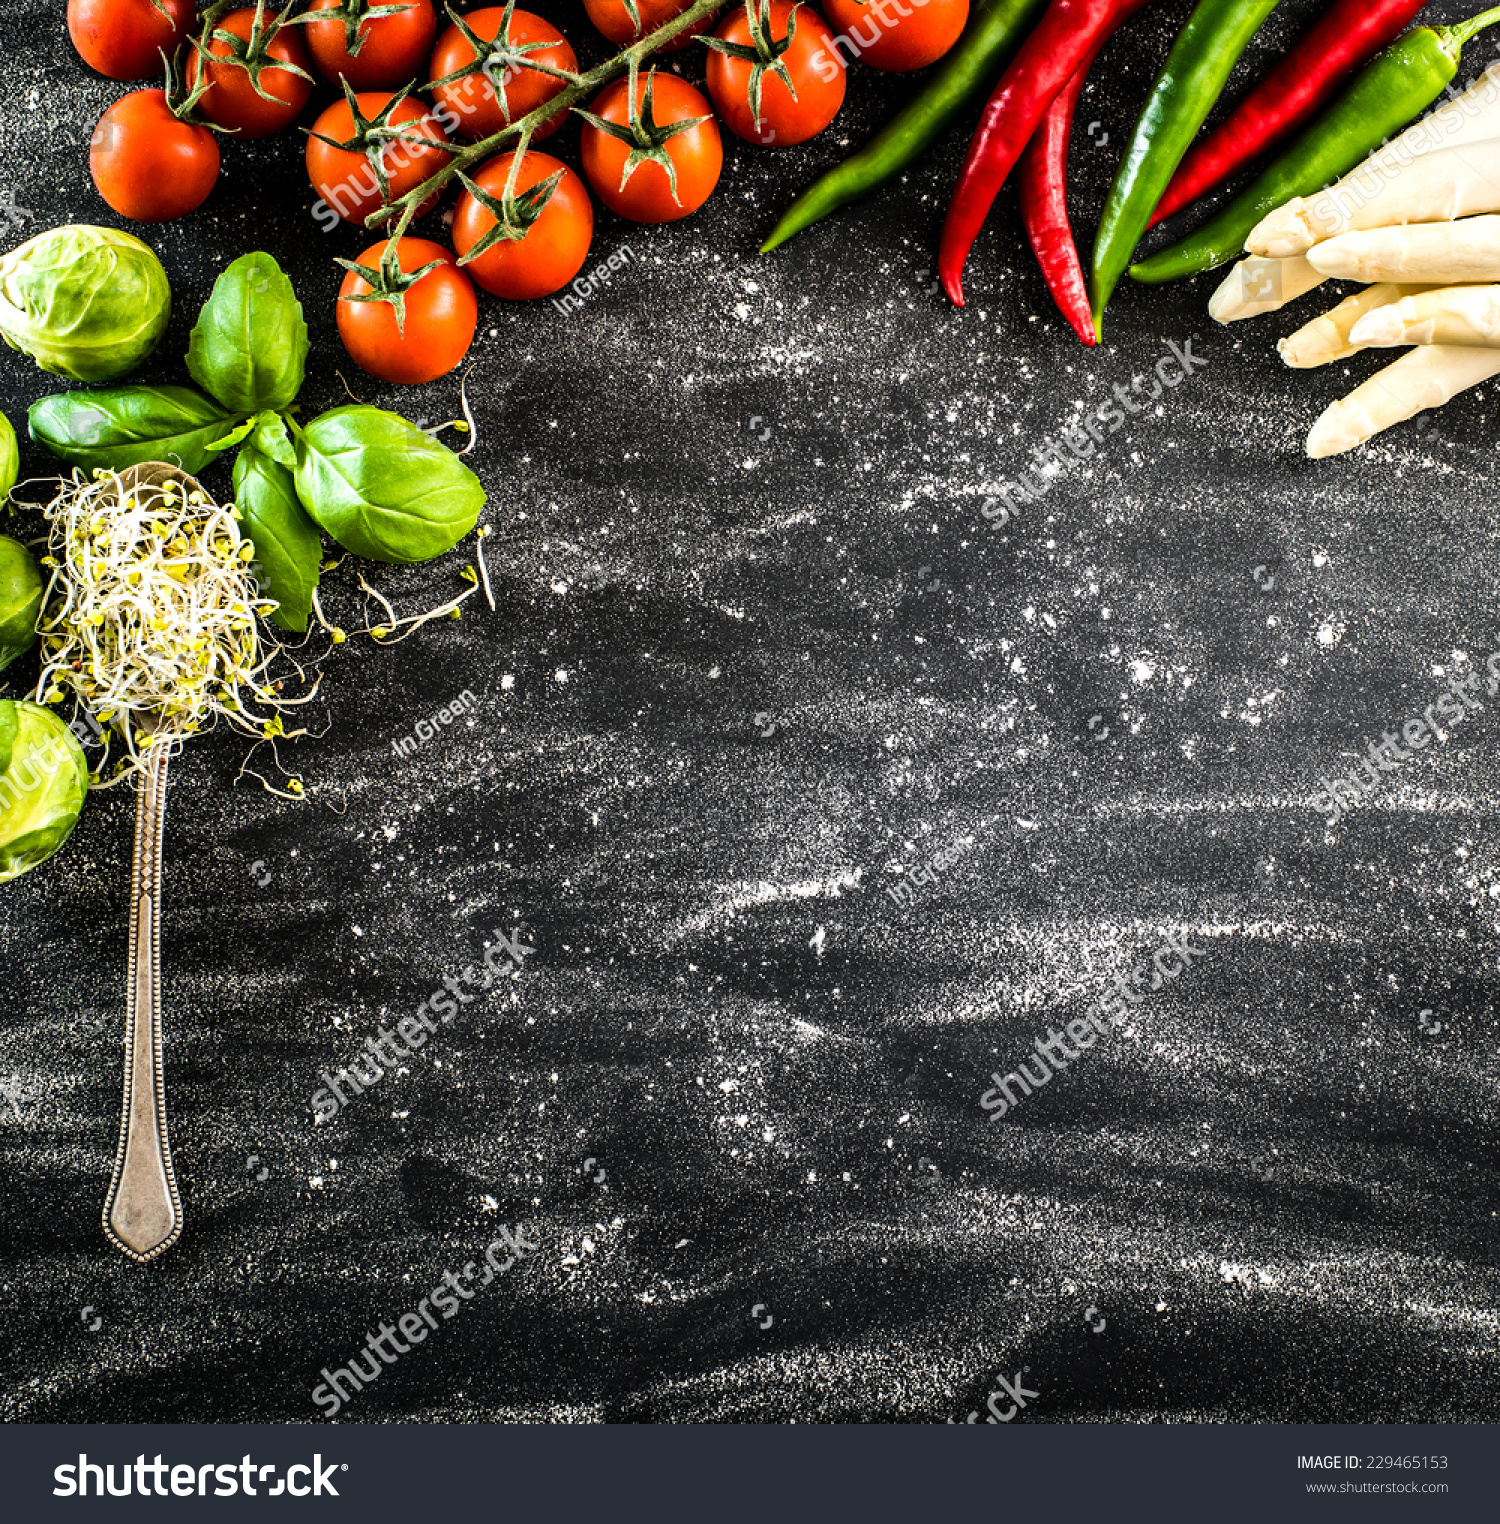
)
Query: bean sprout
[{"x": 150, "y": 618}]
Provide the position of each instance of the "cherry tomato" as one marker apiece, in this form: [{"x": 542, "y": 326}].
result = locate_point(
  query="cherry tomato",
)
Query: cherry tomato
[
  {"x": 473, "y": 105},
  {"x": 611, "y": 17},
  {"x": 346, "y": 180},
  {"x": 120, "y": 38},
  {"x": 901, "y": 37},
  {"x": 555, "y": 245},
  {"x": 815, "y": 65},
  {"x": 232, "y": 101},
  {"x": 392, "y": 52},
  {"x": 441, "y": 315},
  {"x": 697, "y": 155},
  {"x": 148, "y": 164}
]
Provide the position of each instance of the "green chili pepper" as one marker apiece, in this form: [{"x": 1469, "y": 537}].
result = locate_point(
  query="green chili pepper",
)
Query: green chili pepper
[
  {"x": 1395, "y": 87},
  {"x": 1183, "y": 95},
  {"x": 967, "y": 72}
]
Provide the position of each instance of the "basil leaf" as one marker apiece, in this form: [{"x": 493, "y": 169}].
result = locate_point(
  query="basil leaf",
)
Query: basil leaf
[
  {"x": 249, "y": 348},
  {"x": 121, "y": 426},
  {"x": 288, "y": 547},
  {"x": 382, "y": 488},
  {"x": 271, "y": 438}
]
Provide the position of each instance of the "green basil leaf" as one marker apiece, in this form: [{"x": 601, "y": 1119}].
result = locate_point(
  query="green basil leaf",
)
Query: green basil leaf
[
  {"x": 249, "y": 348},
  {"x": 121, "y": 426},
  {"x": 233, "y": 437},
  {"x": 288, "y": 547},
  {"x": 271, "y": 438},
  {"x": 382, "y": 488}
]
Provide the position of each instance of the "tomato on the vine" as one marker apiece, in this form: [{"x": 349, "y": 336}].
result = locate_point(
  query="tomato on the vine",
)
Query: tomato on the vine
[
  {"x": 149, "y": 164},
  {"x": 613, "y": 18},
  {"x": 553, "y": 248},
  {"x": 413, "y": 333},
  {"x": 230, "y": 99},
  {"x": 673, "y": 138},
  {"x": 749, "y": 53},
  {"x": 345, "y": 178},
  {"x": 502, "y": 83},
  {"x": 389, "y": 51},
  {"x": 901, "y": 37},
  {"x": 121, "y": 38}
]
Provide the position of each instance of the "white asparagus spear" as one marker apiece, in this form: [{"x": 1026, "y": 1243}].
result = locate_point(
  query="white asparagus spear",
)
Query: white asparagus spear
[
  {"x": 1425, "y": 378},
  {"x": 1429, "y": 254},
  {"x": 1469, "y": 117},
  {"x": 1330, "y": 337},
  {"x": 1447, "y": 184},
  {"x": 1466, "y": 315},
  {"x": 1261, "y": 285}
]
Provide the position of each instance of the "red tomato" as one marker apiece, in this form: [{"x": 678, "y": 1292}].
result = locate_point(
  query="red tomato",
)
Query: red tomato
[
  {"x": 815, "y": 65},
  {"x": 392, "y": 49},
  {"x": 345, "y": 179},
  {"x": 697, "y": 155},
  {"x": 148, "y": 164},
  {"x": 120, "y": 38},
  {"x": 475, "y": 109},
  {"x": 231, "y": 100},
  {"x": 555, "y": 245},
  {"x": 898, "y": 34},
  {"x": 441, "y": 315},
  {"x": 611, "y": 17}
]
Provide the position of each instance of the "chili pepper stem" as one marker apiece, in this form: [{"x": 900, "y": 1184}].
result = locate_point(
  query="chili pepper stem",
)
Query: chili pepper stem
[{"x": 1455, "y": 36}]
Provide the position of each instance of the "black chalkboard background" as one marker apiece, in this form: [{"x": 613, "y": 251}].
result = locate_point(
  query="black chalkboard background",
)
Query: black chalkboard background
[{"x": 756, "y": 653}]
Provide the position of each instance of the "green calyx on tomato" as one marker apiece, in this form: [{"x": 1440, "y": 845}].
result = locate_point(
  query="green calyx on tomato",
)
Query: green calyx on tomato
[
  {"x": 763, "y": 51},
  {"x": 502, "y": 52},
  {"x": 513, "y": 214},
  {"x": 388, "y": 282},
  {"x": 252, "y": 54},
  {"x": 354, "y": 14},
  {"x": 370, "y": 134},
  {"x": 646, "y": 140}
]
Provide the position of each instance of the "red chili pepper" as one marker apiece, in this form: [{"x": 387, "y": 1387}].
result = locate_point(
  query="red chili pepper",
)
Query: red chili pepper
[
  {"x": 1043, "y": 186},
  {"x": 1048, "y": 59},
  {"x": 1316, "y": 69}
]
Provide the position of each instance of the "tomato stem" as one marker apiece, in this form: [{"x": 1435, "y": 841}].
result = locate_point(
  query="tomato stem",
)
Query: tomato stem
[{"x": 518, "y": 134}]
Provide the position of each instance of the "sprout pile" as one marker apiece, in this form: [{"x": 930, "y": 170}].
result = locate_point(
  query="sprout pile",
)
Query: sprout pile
[{"x": 150, "y": 616}]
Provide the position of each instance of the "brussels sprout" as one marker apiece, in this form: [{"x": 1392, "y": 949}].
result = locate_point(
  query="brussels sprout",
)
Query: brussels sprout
[
  {"x": 85, "y": 302},
  {"x": 10, "y": 458},
  {"x": 42, "y": 789},
  {"x": 20, "y": 600}
]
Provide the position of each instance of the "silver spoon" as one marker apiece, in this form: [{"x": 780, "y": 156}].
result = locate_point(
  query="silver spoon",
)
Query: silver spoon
[{"x": 143, "y": 1213}]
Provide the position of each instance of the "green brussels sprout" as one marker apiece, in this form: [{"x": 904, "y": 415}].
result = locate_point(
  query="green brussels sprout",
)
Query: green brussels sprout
[
  {"x": 41, "y": 789},
  {"x": 20, "y": 600},
  {"x": 10, "y": 458},
  {"x": 85, "y": 302}
]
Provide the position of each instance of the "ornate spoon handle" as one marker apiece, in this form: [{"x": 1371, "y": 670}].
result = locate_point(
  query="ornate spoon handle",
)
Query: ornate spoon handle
[{"x": 143, "y": 1214}]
